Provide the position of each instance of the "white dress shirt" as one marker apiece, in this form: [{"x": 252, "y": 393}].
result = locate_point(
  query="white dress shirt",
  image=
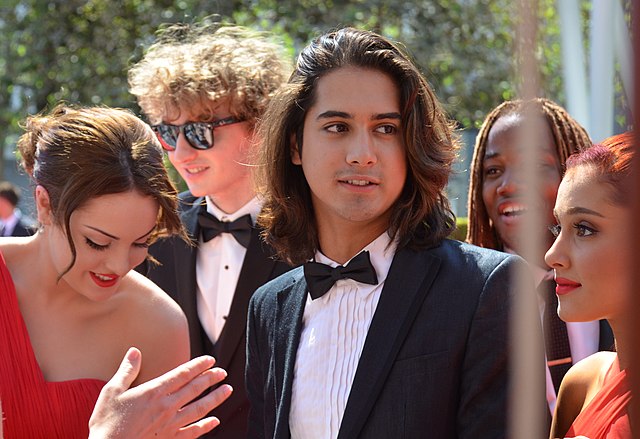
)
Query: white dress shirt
[
  {"x": 334, "y": 329},
  {"x": 218, "y": 265}
]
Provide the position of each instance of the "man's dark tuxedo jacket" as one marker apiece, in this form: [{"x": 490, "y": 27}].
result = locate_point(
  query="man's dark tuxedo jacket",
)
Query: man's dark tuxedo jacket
[
  {"x": 177, "y": 276},
  {"x": 23, "y": 229},
  {"x": 434, "y": 363}
]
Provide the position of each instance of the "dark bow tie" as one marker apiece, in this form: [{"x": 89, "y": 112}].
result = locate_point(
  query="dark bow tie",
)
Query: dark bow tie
[
  {"x": 212, "y": 227},
  {"x": 321, "y": 277}
]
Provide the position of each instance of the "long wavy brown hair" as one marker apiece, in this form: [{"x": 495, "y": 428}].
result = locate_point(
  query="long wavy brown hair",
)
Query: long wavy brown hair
[
  {"x": 421, "y": 216},
  {"x": 568, "y": 135}
]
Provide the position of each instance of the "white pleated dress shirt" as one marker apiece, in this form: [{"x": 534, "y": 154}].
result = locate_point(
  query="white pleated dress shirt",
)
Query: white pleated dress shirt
[
  {"x": 218, "y": 265},
  {"x": 334, "y": 329}
]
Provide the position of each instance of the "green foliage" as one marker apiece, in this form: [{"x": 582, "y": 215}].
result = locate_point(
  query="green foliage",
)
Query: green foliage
[
  {"x": 460, "y": 233},
  {"x": 79, "y": 50},
  {"x": 464, "y": 47},
  {"x": 76, "y": 51}
]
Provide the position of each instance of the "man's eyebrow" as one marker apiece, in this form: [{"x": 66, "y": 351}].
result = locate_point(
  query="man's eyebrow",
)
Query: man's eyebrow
[
  {"x": 344, "y": 115},
  {"x": 334, "y": 113},
  {"x": 392, "y": 115}
]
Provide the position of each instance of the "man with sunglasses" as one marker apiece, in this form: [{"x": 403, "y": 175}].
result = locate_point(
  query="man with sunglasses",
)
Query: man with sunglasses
[{"x": 203, "y": 87}]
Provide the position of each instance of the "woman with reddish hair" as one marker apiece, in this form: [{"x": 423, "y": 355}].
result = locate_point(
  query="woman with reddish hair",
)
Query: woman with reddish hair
[{"x": 591, "y": 261}]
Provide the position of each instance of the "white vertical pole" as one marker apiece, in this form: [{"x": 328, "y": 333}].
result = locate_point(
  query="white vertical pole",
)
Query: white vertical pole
[
  {"x": 574, "y": 68},
  {"x": 623, "y": 50},
  {"x": 601, "y": 70},
  {"x": 527, "y": 354}
]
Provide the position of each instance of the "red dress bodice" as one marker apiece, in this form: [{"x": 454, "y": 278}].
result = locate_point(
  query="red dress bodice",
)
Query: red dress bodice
[
  {"x": 33, "y": 407},
  {"x": 606, "y": 415}
]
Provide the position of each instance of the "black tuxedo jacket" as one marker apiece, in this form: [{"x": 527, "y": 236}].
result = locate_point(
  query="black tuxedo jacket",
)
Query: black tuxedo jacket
[
  {"x": 177, "y": 276},
  {"x": 23, "y": 229},
  {"x": 434, "y": 363}
]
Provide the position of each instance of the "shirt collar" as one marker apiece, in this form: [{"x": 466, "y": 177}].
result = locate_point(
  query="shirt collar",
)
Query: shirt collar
[
  {"x": 381, "y": 252},
  {"x": 252, "y": 208}
]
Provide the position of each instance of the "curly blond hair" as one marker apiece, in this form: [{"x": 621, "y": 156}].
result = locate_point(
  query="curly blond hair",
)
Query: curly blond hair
[{"x": 197, "y": 65}]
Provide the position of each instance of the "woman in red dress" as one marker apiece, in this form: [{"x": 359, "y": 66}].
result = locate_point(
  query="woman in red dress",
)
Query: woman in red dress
[
  {"x": 592, "y": 262},
  {"x": 70, "y": 304}
]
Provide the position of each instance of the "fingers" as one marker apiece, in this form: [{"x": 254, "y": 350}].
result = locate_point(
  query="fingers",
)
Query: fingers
[
  {"x": 198, "y": 429},
  {"x": 200, "y": 408},
  {"x": 177, "y": 378},
  {"x": 195, "y": 388},
  {"x": 128, "y": 370}
]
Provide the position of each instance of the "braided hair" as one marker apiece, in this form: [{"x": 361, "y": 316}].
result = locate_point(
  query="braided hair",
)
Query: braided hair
[{"x": 568, "y": 135}]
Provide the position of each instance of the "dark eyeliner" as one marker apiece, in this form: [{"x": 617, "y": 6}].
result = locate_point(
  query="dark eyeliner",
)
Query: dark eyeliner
[
  {"x": 584, "y": 230},
  {"x": 95, "y": 246}
]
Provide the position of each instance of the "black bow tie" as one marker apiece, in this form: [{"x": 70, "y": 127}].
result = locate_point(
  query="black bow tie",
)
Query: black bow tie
[
  {"x": 320, "y": 277},
  {"x": 212, "y": 227}
]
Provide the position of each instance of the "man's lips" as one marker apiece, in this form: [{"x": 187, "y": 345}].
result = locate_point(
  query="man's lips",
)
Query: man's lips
[
  {"x": 194, "y": 170},
  {"x": 358, "y": 181},
  {"x": 565, "y": 286}
]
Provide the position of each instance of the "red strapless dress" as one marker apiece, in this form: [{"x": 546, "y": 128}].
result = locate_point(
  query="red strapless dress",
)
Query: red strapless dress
[
  {"x": 606, "y": 415},
  {"x": 34, "y": 408}
]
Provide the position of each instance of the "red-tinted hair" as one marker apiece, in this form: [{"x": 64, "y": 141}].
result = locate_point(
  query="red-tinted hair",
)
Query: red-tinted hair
[{"x": 611, "y": 159}]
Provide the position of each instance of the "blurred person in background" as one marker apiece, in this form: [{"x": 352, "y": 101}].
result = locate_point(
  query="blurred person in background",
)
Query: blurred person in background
[{"x": 12, "y": 222}]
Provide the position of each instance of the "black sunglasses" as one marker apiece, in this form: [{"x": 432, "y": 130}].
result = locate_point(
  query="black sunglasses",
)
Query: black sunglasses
[{"x": 199, "y": 135}]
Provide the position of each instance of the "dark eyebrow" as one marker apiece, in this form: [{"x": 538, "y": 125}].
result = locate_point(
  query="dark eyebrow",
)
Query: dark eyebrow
[
  {"x": 115, "y": 237},
  {"x": 386, "y": 116},
  {"x": 333, "y": 113},
  {"x": 584, "y": 210},
  {"x": 580, "y": 210}
]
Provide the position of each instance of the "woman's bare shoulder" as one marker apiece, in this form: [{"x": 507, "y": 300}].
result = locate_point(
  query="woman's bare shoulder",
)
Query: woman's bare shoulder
[
  {"x": 143, "y": 294},
  {"x": 155, "y": 325},
  {"x": 590, "y": 370},
  {"x": 581, "y": 383}
]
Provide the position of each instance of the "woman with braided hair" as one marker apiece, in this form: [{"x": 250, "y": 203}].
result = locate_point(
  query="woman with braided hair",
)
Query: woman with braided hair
[
  {"x": 497, "y": 207},
  {"x": 564, "y": 136}
]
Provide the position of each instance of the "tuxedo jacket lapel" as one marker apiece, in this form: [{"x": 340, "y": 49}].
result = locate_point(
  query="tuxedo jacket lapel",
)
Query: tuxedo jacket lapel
[
  {"x": 408, "y": 283},
  {"x": 185, "y": 267},
  {"x": 256, "y": 270},
  {"x": 289, "y": 314}
]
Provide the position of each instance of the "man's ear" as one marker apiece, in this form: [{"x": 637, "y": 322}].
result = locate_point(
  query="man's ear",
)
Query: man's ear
[
  {"x": 295, "y": 151},
  {"x": 43, "y": 206}
]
